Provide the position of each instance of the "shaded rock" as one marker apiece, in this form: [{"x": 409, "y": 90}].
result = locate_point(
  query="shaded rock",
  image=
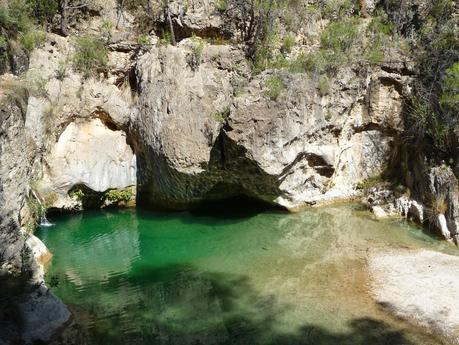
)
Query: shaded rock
[
  {"x": 29, "y": 312},
  {"x": 42, "y": 315},
  {"x": 419, "y": 286},
  {"x": 434, "y": 185}
]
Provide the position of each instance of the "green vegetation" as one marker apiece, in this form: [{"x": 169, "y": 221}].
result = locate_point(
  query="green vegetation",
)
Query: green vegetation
[
  {"x": 450, "y": 95},
  {"x": 288, "y": 43},
  {"x": 31, "y": 39},
  {"x": 39, "y": 208},
  {"x": 324, "y": 85},
  {"x": 116, "y": 196},
  {"x": 91, "y": 56},
  {"x": 221, "y": 5},
  {"x": 77, "y": 194},
  {"x": 22, "y": 21},
  {"x": 36, "y": 85},
  {"x": 144, "y": 40},
  {"x": 106, "y": 31},
  {"x": 432, "y": 111},
  {"x": 221, "y": 116},
  {"x": 340, "y": 36},
  {"x": 197, "y": 47},
  {"x": 16, "y": 92},
  {"x": 273, "y": 87},
  {"x": 166, "y": 39},
  {"x": 369, "y": 182},
  {"x": 61, "y": 71}
]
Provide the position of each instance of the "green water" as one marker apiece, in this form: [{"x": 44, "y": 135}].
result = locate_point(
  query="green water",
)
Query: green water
[{"x": 136, "y": 277}]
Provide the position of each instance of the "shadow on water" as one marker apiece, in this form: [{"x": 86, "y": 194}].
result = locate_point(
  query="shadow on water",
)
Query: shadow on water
[
  {"x": 184, "y": 306},
  {"x": 238, "y": 207},
  {"x": 230, "y": 211}
]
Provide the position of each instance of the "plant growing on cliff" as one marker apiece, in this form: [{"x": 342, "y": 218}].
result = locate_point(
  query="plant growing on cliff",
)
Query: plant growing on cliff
[
  {"x": 221, "y": 116},
  {"x": 197, "y": 47},
  {"x": 324, "y": 85},
  {"x": 91, "y": 56},
  {"x": 16, "y": 92},
  {"x": 450, "y": 94},
  {"x": 32, "y": 39},
  {"x": 61, "y": 71},
  {"x": 274, "y": 86},
  {"x": 38, "y": 208},
  {"x": 438, "y": 205},
  {"x": 116, "y": 196},
  {"x": 36, "y": 85},
  {"x": 254, "y": 20},
  {"x": 77, "y": 194}
]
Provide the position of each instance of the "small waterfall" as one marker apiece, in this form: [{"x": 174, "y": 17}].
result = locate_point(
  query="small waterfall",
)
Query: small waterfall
[{"x": 44, "y": 222}]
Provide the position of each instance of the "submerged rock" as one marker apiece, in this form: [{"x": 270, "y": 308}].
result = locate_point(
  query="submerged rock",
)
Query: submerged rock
[{"x": 420, "y": 286}]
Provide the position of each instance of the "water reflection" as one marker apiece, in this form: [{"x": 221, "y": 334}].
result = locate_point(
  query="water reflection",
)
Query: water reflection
[{"x": 133, "y": 277}]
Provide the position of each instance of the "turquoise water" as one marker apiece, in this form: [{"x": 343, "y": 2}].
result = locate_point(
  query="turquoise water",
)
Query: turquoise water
[{"x": 137, "y": 277}]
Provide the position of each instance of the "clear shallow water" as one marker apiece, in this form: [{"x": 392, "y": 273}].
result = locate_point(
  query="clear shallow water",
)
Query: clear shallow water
[{"x": 137, "y": 277}]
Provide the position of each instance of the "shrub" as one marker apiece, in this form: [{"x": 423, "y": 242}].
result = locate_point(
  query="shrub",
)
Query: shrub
[
  {"x": 439, "y": 205},
  {"x": 43, "y": 10},
  {"x": 144, "y": 40},
  {"x": 221, "y": 5},
  {"x": 32, "y": 39},
  {"x": 369, "y": 182},
  {"x": 450, "y": 95},
  {"x": 61, "y": 71},
  {"x": 115, "y": 195},
  {"x": 288, "y": 42},
  {"x": 77, "y": 194},
  {"x": 106, "y": 30},
  {"x": 424, "y": 122},
  {"x": 91, "y": 55},
  {"x": 16, "y": 92},
  {"x": 274, "y": 86},
  {"x": 36, "y": 85},
  {"x": 221, "y": 116},
  {"x": 338, "y": 8},
  {"x": 197, "y": 47},
  {"x": 166, "y": 38},
  {"x": 3, "y": 48},
  {"x": 324, "y": 85},
  {"x": 340, "y": 36}
]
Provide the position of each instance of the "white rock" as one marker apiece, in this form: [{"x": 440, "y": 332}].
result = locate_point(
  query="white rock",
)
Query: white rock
[
  {"x": 91, "y": 154},
  {"x": 443, "y": 226},
  {"x": 379, "y": 212},
  {"x": 420, "y": 286}
]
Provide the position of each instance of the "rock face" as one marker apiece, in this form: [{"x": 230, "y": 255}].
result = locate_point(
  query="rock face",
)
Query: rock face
[
  {"x": 196, "y": 142},
  {"x": 89, "y": 154},
  {"x": 14, "y": 173},
  {"x": 419, "y": 286},
  {"x": 437, "y": 187},
  {"x": 21, "y": 254}
]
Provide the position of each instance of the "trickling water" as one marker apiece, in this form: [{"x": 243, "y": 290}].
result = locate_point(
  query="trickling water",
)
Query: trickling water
[
  {"x": 44, "y": 222},
  {"x": 135, "y": 277}
]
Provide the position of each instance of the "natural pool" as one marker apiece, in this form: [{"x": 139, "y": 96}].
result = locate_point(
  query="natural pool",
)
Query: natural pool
[{"x": 138, "y": 277}]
